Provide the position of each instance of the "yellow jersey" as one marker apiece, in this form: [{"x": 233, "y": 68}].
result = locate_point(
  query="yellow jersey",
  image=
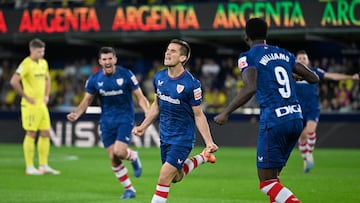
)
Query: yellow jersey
[{"x": 33, "y": 77}]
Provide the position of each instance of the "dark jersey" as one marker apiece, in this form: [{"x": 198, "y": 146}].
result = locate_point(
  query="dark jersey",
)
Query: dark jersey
[
  {"x": 275, "y": 86},
  {"x": 115, "y": 94},
  {"x": 176, "y": 98}
]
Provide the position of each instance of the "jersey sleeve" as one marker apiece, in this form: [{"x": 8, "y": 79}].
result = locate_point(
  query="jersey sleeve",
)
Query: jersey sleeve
[
  {"x": 320, "y": 72},
  {"x": 292, "y": 59},
  {"x": 22, "y": 69},
  {"x": 90, "y": 85},
  {"x": 154, "y": 81},
  {"x": 196, "y": 93},
  {"x": 134, "y": 83},
  {"x": 244, "y": 62}
]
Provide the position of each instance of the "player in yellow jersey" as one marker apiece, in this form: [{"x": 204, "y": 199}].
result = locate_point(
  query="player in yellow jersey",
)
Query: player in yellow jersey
[{"x": 32, "y": 82}]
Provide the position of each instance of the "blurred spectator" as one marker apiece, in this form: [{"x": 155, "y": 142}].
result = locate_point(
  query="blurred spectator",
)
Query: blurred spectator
[
  {"x": 324, "y": 64},
  {"x": 84, "y": 69},
  {"x": 147, "y": 83},
  {"x": 195, "y": 69},
  {"x": 227, "y": 68},
  {"x": 334, "y": 66},
  {"x": 70, "y": 70},
  {"x": 343, "y": 96},
  {"x": 209, "y": 70},
  {"x": 218, "y": 80},
  {"x": 325, "y": 106},
  {"x": 214, "y": 100}
]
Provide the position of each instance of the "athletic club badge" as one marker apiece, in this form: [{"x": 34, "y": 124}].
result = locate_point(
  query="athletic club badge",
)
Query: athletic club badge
[
  {"x": 179, "y": 88},
  {"x": 120, "y": 81}
]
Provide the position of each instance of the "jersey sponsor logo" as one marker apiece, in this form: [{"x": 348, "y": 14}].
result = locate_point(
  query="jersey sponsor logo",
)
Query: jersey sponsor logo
[
  {"x": 167, "y": 98},
  {"x": 110, "y": 93},
  {"x": 179, "y": 88},
  {"x": 134, "y": 80},
  {"x": 120, "y": 81},
  {"x": 197, "y": 93},
  {"x": 39, "y": 75},
  {"x": 242, "y": 62},
  {"x": 285, "y": 110},
  {"x": 100, "y": 84}
]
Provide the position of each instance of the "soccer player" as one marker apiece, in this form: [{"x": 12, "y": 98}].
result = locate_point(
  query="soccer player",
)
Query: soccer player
[
  {"x": 115, "y": 86},
  {"x": 32, "y": 82},
  {"x": 308, "y": 97},
  {"x": 267, "y": 72},
  {"x": 178, "y": 104}
]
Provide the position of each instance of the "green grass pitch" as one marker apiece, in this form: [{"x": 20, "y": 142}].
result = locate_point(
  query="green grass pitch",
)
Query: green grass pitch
[{"x": 87, "y": 177}]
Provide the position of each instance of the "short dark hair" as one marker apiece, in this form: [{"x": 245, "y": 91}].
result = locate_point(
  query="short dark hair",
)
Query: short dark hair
[
  {"x": 185, "y": 49},
  {"x": 106, "y": 50},
  {"x": 256, "y": 29},
  {"x": 301, "y": 52},
  {"x": 36, "y": 43}
]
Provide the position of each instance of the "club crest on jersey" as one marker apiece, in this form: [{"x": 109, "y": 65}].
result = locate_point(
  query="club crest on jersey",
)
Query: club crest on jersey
[
  {"x": 242, "y": 62},
  {"x": 120, "y": 81},
  {"x": 179, "y": 88}
]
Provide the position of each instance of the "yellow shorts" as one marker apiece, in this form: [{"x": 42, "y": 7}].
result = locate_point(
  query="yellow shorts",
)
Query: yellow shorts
[{"x": 35, "y": 118}]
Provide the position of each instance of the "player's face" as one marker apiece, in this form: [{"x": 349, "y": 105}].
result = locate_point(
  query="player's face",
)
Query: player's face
[
  {"x": 107, "y": 62},
  {"x": 303, "y": 58},
  {"x": 37, "y": 53},
  {"x": 173, "y": 56}
]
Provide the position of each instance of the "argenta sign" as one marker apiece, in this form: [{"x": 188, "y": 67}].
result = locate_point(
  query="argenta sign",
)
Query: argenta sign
[{"x": 181, "y": 17}]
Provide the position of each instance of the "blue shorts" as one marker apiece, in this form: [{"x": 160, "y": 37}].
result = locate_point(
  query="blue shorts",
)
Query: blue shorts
[
  {"x": 174, "y": 155},
  {"x": 120, "y": 132},
  {"x": 276, "y": 143}
]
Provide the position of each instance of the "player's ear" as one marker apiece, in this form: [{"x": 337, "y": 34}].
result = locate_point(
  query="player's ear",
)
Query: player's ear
[{"x": 183, "y": 58}]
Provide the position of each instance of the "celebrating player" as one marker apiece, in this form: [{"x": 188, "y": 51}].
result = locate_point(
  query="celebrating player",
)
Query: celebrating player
[
  {"x": 32, "y": 82},
  {"x": 267, "y": 71},
  {"x": 308, "y": 97},
  {"x": 178, "y": 103},
  {"x": 114, "y": 86}
]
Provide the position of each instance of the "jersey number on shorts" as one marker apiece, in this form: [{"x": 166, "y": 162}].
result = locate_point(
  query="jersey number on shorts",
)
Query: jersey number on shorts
[{"x": 283, "y": 79}]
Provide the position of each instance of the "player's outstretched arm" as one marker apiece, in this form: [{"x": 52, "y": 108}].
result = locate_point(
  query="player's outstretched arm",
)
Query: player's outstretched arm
[
  {"x": 86, "y": 101},
  {"x": 203, "y": 127},
  {"x": 142, "y": 100},
  {"x": 244, "y": 95},
  {"x": 340, "y": 76},
  {"x": 304, "y": 72}
]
